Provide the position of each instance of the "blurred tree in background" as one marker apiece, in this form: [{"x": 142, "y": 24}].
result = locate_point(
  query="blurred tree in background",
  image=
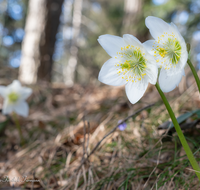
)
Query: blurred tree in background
[
  {"x": 72, "y": 54},
  {"x": 40, "y": 35}
]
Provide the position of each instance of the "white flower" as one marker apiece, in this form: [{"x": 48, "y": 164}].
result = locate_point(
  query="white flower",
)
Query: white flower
[
  {"x": 169, "y": 50},
  {"x": 130, "y": 64},
  {"x": 14, "y": 98}
]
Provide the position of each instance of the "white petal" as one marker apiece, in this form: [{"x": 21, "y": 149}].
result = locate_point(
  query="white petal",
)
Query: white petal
[
  {"x": 148, "y": 45},
  {"x": 133, "y": 93},
  {"x": 157, "y": 26},
  {"x": 25, "y": 93},
  {"x": 169, "y": 83},
  {"x": 15, "y": 84},
  {"x": 21, "y": 108},
  {"x": 152, "y": 73},
  {"x": 131, "y": 40},
  {"x": 3, "y": 91},
  {"x": 7, "y": 108},
  {"x": 184, "y": 55},
  {"x": 177, "y": 33},
  {"x": 108, "y": 74},
  {"x": 112, "y": 44}
]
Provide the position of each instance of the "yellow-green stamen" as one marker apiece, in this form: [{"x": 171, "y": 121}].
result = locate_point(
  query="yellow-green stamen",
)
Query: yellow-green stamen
[
  {"x": 170, "y": 49},
  {"x": 134, "y": 64},
  {"x": 13, "y": 97}
]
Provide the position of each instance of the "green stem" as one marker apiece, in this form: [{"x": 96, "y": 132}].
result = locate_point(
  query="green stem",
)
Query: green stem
[
  {"x": 180, "y": 133},
  {"x": 194, "y": 73},
  {"x": 16, "y": 120}
]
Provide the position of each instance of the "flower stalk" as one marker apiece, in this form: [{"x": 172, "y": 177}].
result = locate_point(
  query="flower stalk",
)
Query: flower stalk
[
  {"x": 194, "y": 73},
  {"x": 180, "y": 133},
  {"x": 16, "y": 120}
]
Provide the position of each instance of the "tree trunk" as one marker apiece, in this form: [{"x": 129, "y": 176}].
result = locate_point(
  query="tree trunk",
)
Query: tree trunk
[
  {"x": 69, "y": 71},
  {"x": 39, "y": 41},
  {"x": 132, "y": 9}
]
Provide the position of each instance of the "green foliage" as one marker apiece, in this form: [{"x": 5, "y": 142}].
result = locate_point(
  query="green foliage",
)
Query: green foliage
[
  {"x": 3, "y": 126},
  {"x": 185, "y": 116}
]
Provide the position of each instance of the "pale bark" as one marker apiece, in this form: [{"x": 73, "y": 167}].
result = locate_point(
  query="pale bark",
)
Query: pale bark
[
  {"x": 30, "y": 46},
  {"x": 39, "y": 41},
  {"x": 69, "y": 70},
  {"x": 132, "y": 9}
]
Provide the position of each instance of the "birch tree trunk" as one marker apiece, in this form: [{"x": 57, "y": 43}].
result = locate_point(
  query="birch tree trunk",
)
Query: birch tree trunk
[
  {"x": 132, "y": 9},
  {"x": 69, "y": 71},
  {"x": 39, "y": 41}
]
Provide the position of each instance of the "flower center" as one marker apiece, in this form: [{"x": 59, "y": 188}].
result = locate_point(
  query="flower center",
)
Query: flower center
[
  {"x": 170, "y": 49},
  {"x": 13, "y": 97},
  {"x": 133, "y": 65}
]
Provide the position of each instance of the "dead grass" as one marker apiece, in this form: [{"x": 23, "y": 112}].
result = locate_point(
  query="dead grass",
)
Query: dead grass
[{"x": 65, "y": 124}]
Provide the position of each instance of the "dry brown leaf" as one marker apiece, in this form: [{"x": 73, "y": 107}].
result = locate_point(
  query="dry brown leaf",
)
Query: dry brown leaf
[
  {"x": 78, "y": 133},
  {"x": 62, "y": 183}
]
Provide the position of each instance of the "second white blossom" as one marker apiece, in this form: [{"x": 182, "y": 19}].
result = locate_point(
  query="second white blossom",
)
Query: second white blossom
[{"x": 169, "y": 50}]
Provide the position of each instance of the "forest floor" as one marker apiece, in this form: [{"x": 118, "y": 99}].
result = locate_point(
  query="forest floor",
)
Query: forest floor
[{"x": 65, "y": 125}]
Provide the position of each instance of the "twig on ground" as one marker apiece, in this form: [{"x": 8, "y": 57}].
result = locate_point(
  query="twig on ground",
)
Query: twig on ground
[
  {"x": 88, "y": 139},
  {"x": 86, "y": 144},
  {"x": 97, "y": 145},
  {"x": 84, "y": 128},
  {"x": 155, "y": 166},
  {"x": 77, "y": 180}
]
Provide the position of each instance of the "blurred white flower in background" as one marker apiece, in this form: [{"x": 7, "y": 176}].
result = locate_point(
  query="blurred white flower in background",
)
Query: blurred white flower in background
[
  {"x": 169, "y": 50},
  {"x": 14, "y": 98},
  {"x": 130, "y": 64}
]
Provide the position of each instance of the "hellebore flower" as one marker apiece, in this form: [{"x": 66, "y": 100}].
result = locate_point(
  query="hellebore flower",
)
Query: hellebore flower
[
  {"x": 14, "y": 98},
  {"x": 169, "y": 50},
  {"x": 130, "y": 64}
]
